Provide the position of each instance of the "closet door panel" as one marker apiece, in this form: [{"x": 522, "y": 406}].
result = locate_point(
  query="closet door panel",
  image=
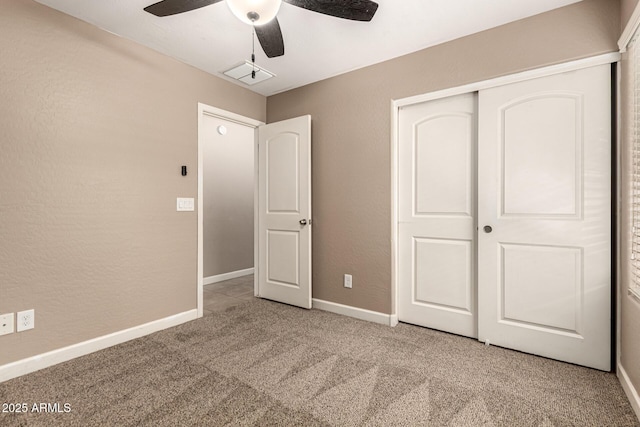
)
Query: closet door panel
[
  {"x": 437, "y": 141},
  {"x": 544, "y": 279}
]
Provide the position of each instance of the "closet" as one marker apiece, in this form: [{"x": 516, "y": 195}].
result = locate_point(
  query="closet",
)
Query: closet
[{"x": 504, "y": 215}]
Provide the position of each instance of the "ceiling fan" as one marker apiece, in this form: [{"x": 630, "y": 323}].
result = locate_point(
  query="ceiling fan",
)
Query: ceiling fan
[{"x": 262, "y": 14}]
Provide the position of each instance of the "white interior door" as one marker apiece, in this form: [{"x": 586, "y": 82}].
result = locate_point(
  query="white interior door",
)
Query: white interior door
[
  {"x": 284, "y": 212},
  {"x": 436, "y": 230},
  {"x": 544, "y": 279}
]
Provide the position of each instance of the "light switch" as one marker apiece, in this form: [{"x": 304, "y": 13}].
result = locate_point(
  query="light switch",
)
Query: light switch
[
  {"x": 185, "y": 204},
  {"x": 6, "y": 323}
]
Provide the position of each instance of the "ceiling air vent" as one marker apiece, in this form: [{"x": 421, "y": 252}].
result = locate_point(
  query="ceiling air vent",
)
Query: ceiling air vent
[{"x": 243, "y": 71}]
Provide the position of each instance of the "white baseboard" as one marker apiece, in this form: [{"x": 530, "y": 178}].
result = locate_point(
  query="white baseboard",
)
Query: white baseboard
[
  {"x": 358, "y": 313},
  {"x": 41, "y": 361},
  {"x": 227, "y": 276},
  {"x": 393, "y": 320},
  {"x": 629, "y": 390}
]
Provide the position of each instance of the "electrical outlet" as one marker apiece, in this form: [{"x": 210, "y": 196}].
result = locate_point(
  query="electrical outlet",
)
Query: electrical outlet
[
  {"x": 6, "y": 324},
  {"x": 26, "y": 320},
  {"x": 348, "y": 281}
]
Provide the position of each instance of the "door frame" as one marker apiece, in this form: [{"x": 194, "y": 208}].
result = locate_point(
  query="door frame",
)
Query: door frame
[
  {"x": 208, "y": 110},
  {"x": 397, "y": 104}
]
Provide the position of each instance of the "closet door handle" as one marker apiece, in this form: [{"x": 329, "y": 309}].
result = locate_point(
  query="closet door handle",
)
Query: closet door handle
[
  {"x": 487, "y": 229},
  {"x": 303, "y": 222}
]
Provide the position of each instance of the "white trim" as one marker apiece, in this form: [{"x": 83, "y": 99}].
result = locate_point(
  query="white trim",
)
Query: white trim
[
  {"x": 256, "y": 211},
  {"x": 41, "y": 361},
  {"x": 358, "y": 313},
  {"x": 393, "y": 320},
  {"x": 629, "y": 390},
  {"x": 629, "y": 30},
  {"x": 226, "y": 276},
  {"x": 229, "y": 116},
  {"x": 207, "y": 110},
  {"x": 200, "y": 249},
  {"x": 579, "y": 64},
  {"x": 395, "y": 111},
  {"x": 618, "y": 213}
]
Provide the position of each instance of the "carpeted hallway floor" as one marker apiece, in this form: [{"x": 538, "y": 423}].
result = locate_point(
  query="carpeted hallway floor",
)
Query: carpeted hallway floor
[{"x": 263, "y": 363}]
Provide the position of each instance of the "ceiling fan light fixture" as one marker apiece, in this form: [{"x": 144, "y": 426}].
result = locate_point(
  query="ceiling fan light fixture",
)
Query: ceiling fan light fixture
[{"x": 254, "y": 12}]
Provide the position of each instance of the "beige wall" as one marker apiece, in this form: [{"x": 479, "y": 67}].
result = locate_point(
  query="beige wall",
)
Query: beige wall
[
  {"x": 351, "y": 133},
  {"x": 93, "y": 131},
  {"x": 626, "y": 10},
  {"x": 228, "y": 197}
]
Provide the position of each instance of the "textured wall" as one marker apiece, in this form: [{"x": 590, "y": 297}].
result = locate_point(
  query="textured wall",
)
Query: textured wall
[
  {"x": 93, "y": 131},
  {"x": 626, "y": 10},
  {"x": 228, "y": 197},
  {"x": 351, "y": 133}
]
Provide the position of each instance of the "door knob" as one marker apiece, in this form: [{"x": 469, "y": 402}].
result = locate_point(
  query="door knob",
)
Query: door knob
[
  {"x": 487, "y": 229},
  {"x": 303, "y": 222}
]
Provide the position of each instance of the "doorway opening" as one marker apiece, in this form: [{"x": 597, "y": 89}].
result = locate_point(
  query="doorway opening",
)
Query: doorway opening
[
  {"x": 227, "y": 200},
  {"x": 281, "y": 188}
]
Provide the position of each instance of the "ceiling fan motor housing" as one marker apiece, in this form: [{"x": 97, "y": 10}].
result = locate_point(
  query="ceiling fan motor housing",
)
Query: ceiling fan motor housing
[{"x": 255, "y": 12}]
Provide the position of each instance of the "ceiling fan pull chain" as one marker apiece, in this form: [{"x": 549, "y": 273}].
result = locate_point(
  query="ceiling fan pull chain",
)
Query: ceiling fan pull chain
[{"x": 253, "y": 52}]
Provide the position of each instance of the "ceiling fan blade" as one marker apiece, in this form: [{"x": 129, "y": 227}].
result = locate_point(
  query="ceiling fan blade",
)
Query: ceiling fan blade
[
  {"x": 270, "y": 38},
  {"x": 356, "y": 10},
  {"x": 173, "y": 7}
]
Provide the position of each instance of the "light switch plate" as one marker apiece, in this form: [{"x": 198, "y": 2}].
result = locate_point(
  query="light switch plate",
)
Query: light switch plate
[
  {"x": 348, "y": 281},
  {"x": 184, "y": 204},
  {"x": 6, "y": 324}
]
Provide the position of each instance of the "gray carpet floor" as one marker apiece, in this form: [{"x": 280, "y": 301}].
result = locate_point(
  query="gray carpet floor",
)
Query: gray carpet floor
[{"x": 263, "y": 363}]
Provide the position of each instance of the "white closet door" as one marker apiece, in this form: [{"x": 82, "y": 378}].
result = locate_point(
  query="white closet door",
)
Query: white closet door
[
  {"x": 544, "y": 279},
  {"x": 436, "y": 212}
]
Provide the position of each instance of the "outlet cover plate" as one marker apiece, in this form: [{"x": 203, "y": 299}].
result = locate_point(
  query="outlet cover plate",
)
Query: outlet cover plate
[
  {"x": 26, "y": 320},
  {"x": 6, "y": 324}
]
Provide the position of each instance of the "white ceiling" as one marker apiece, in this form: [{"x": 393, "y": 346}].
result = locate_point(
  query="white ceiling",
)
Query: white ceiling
[{"x": 316, "y": 46}]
